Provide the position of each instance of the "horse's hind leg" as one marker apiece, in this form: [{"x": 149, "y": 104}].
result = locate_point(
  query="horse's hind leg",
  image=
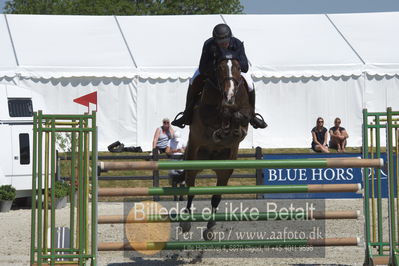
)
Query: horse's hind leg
[
  {"x": 190, "y": 182},
  {"x": 222, "y": 179}
]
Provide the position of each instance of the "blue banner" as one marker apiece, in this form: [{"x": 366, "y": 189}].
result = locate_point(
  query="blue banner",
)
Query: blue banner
[{"x": 305, "y": 176}]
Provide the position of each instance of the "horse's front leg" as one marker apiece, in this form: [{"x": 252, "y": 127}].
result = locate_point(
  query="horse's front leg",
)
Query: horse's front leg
[
  {"x": 222, "y": 180},
  {"x": 190, "y": 182},
  {"x": 241, "y": 118}
]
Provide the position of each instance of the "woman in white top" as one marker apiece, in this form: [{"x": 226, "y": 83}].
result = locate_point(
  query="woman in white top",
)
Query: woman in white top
[{"x": 162, "y": 136}]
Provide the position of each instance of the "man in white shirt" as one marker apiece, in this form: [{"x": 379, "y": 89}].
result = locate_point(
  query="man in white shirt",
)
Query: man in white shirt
[{"x": 176, "y": 146}]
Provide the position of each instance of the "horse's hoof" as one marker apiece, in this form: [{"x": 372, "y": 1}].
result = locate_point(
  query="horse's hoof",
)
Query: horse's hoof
[
  {"x": 211, "y": 224},
  {"x": 185, "y": 227},
  {"x": 216, "y": 136},
  {"x": 208, "y": 234}
]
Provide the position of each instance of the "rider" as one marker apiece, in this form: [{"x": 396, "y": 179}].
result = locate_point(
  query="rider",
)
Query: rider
[{"x": 222, "y": 40}]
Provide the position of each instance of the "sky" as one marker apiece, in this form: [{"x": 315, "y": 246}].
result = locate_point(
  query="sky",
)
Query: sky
[
  {"x": 317, "y": 6},
  {"x": 2, "y": 2},
  {"x": 309, "y": 6}
]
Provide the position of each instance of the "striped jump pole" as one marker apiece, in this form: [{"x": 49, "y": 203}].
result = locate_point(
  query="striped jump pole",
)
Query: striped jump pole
[
  {"x": 219, "y": 190},
  {"x": 226, "y": 217},
  {"x": 240, "y": 164},
  {"x": 188, "y": 245}
]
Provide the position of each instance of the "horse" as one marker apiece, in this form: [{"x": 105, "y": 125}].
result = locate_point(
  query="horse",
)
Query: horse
[{"x": 219, "y": 124}]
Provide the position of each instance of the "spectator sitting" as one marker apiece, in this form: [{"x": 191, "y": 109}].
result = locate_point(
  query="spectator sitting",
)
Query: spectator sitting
[
  {"x": 176, "y": 146},
  {"x": 338, "y": 136},
  {"x": 162, "y": 135},
  {"x": 319, "y": 137}
]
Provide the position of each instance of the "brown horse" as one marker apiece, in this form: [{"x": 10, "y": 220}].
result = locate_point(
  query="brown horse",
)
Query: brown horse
[{"x": 220, "y": 123}]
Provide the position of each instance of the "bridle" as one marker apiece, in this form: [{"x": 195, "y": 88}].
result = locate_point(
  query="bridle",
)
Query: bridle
[
  {"x": 235, "y": 81},
  {"x": 220, "y": 83}
]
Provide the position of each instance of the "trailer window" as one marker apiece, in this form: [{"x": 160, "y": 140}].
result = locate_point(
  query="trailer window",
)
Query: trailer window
[
  {"x": 24, "y": 149},
  {"x": 20, "y": 107}
]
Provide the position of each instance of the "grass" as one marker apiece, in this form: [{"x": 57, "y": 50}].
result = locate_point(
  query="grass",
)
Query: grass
[{"x": 66, "y": 171}]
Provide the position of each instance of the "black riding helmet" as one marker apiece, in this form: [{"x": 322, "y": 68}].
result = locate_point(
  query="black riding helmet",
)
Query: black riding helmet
[{"x": 221, "y": 33}]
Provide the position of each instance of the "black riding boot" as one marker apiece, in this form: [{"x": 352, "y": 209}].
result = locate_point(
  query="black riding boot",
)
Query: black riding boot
[
  {"x": 187, "y": 114},
  {"x": 256, "y": 122},
  {"x": 192, "y": 92}
]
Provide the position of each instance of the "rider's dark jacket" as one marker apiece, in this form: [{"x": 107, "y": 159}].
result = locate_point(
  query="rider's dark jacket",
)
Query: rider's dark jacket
[{"x": 211, "y": 53}]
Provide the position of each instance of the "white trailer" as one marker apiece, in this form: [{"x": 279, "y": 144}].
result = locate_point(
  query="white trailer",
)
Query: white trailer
[{"x": 16, "y": 119}]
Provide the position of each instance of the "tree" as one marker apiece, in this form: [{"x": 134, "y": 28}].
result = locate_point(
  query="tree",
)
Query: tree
[
  {"x": 190, "y": 7},
  {"x": 70, "y": 7},
  {"x": 123, "y": 7}
]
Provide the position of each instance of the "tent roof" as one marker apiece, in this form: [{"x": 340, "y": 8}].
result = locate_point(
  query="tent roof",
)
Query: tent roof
[
  {"x": 70, "y": 45},
  {"x": 7, "y": 62},
  {"x": 375, "y": 38},
  {"x": 294, "y": 45},
  {"x": 170, "y": 46}
]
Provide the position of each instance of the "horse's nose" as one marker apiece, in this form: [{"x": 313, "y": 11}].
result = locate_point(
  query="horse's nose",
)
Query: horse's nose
[{"x": 229, "y": 101}]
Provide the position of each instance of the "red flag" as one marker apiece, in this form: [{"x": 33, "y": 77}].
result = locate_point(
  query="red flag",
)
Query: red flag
[{"x": 87, "y": 99}]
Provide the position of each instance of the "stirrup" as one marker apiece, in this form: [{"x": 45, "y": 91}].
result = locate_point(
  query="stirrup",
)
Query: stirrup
[
  {"x": 177, "y": 123},
  {"x": 258, "y": 122}
]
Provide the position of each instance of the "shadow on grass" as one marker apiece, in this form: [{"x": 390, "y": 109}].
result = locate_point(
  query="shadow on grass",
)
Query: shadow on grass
[{"x": 171, "y": 260}]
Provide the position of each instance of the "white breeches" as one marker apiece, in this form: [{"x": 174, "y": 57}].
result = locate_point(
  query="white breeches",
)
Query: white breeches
[
  {"x": 196, "y": 73},
  {"x": 247, "y": 76}
]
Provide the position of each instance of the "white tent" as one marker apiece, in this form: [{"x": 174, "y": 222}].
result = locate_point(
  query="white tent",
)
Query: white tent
[
  {"x": 304, "y": 66},
  {"x": 374, "y": 37},
  {"x": 64, "y": 57},
  {"x": 8, "y": 60},
  {"x": 303, "y": 69}
]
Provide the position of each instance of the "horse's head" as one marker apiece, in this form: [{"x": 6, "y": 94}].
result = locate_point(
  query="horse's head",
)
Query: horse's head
[
  {"x": 229, "y": 80},
  {"x": 234, "y": 101}
]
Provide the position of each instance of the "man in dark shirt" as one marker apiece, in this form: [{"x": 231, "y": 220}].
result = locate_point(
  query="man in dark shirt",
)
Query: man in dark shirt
[{"x": 214, "y": 48}]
